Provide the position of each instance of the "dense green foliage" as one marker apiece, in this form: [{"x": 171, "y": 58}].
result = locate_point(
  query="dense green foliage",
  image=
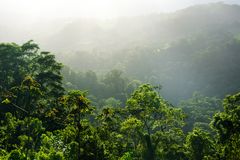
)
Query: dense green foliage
[
  {"x": 199, "y": 111},
  {"x": 122, "y": 119}
]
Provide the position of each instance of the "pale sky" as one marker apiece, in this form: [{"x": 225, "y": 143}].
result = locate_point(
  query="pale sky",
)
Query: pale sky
[{"x": 93, "y": 8}]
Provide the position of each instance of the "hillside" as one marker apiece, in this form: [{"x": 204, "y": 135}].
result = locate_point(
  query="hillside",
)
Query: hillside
[
  {"x": 195, "y": 49},
  {"x": 177, "y": 50},
  {"x": 88, "y": 34}
]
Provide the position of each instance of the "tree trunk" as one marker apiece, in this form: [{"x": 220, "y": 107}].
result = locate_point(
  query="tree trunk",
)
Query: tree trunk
[{"x": 150, "y": 152}]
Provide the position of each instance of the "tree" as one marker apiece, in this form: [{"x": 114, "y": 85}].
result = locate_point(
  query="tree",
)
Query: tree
[
  {"x": 47, "y": 72},
  {"x": 116, "y": 85},
  {"x": 12, "y": 65},
  {"x": 158, "y": 122},
  {"x": 108, "y": 129},
  {"x": 18, "y": 62},
  {"x": 26, "y": 99},
  {"x": 27, "y": 64},
  {"x": 199, "y": 144},
  {"x": 227, "y": 126},
  {"x": 78, "y": 111}
]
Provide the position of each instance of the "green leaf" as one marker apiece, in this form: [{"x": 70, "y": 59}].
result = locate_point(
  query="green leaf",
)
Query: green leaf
[{"x": 6, "y": 101}]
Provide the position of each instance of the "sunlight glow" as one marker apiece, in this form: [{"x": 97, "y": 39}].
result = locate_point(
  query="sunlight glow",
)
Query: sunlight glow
[{"x": 91, "y": 8}]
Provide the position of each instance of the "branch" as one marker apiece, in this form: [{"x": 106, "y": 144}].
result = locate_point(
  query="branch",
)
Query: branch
[{"x": 19, "y": 108}]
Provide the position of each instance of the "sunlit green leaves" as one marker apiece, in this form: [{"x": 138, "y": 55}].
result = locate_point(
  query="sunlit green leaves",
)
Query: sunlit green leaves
[
  {"x": 131, "y": 123},
  {"x": 6, "y": 101}
]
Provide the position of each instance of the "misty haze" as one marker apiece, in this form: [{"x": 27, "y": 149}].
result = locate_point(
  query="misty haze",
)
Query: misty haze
[{"x": 120, "y": 80}]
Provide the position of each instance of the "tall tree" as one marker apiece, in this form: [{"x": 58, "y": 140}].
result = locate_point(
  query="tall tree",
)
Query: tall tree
[
  {"x": 18, "y": 62},
  {"x": 155, "y": 121},
  {"x": 227, "y": 126}
]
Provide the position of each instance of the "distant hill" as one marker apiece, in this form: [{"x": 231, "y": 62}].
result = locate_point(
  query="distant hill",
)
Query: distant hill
[
  {"x": 88, "y": 34},
  {"x": 194, "y": 49}
]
